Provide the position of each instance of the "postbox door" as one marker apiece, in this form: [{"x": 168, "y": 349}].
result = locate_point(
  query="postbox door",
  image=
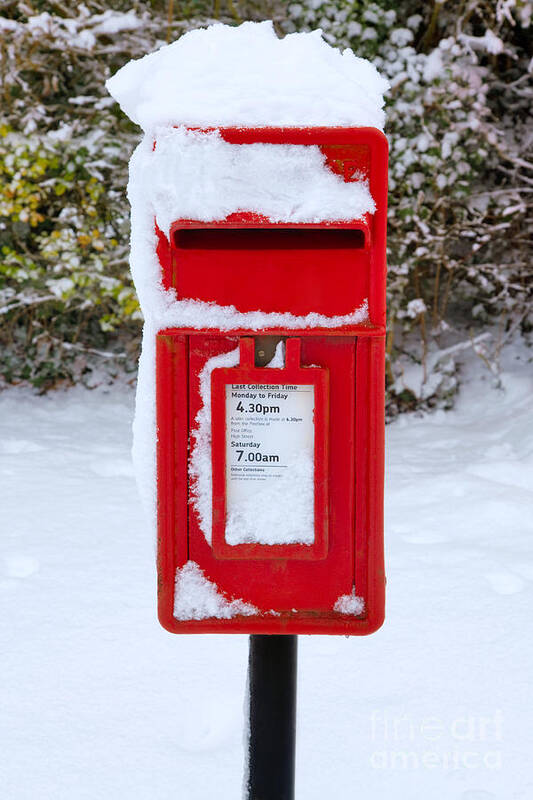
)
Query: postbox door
[{"x": 285, "y": 583}]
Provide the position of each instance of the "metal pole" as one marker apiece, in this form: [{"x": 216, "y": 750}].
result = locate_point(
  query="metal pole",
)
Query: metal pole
[{"x": 272, "y": 668}]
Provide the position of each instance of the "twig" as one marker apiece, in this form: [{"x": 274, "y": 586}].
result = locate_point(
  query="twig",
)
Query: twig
[
  {"x": 27, "y": 302},
  {"x": 170, "y": 17}
]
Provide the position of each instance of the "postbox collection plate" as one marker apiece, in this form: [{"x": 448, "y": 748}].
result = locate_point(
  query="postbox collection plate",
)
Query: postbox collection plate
[{"x": 253, "y": 448}]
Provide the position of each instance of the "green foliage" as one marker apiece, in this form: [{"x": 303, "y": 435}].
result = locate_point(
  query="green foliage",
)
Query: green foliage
[{"x": 64, "y": 282}]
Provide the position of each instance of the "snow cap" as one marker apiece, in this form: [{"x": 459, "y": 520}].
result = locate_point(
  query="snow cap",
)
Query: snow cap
[{"x": 245, "y": 75}]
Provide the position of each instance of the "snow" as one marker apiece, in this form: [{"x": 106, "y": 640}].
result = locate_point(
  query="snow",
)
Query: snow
[
  {"x": 489, "y": 42},
  {"x": 8, "y": 24},
  {"x": 433, "y": 705},
  {"x": 283, "y": 513},
  {"x": 81, "y": 31},
  {"x": 245, "y": 75},
  {"x": 198, "y": 314},
  {"x": 201, "y": 488},
  {"x": 47, "y": 25},
  {"x": 197, "y": 175},
  {"x": 415, "y": 308},
  {"x": 198, "y": 598},
  {"x": 112, "y": 22},
  {"x": 349, "y": 604},
  {"x": 434, "y": 66}
]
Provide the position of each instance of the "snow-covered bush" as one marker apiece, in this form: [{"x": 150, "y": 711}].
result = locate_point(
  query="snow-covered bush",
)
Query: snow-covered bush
[
  {"x": 460, "y": 183},
  {"x": 64, "y": 283},
  {"x": 67, "y": 304}
]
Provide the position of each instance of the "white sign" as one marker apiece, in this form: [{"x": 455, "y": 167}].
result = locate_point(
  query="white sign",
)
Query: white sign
[{"x": 270, "y": 439}]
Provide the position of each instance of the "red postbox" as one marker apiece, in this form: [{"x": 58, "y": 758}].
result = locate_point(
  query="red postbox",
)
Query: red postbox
[{"x": 270, "y": 473}]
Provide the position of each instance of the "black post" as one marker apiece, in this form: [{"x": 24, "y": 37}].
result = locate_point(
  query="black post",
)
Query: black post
[{"x": 272, "y": 667}]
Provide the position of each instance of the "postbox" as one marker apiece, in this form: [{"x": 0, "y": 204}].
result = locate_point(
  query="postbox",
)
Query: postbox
[{"x": 270, "y": 433}]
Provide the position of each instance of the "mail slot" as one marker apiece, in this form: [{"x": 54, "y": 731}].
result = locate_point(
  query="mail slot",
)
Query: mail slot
[
  {"x": 272, "y": 268},
  {"x": 270, "y": 418}
]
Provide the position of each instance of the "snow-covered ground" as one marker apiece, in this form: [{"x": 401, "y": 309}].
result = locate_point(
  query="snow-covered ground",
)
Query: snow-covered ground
[{"x": 99, "y": 702}]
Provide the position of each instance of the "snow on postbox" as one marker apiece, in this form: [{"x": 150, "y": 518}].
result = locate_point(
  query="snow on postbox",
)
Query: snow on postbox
[
  {"x": 270, "y": 420},
  {"x": 258, "y": 199}
]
